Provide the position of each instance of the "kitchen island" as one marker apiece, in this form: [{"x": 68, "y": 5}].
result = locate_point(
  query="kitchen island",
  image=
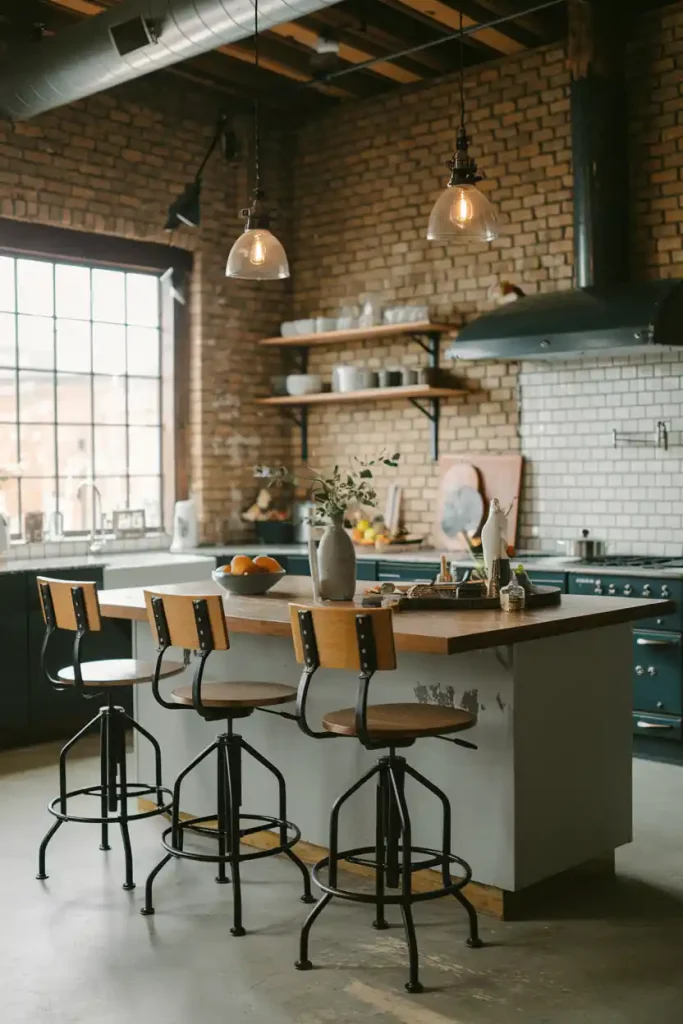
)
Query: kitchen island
[{"x": 546, "y": 792}]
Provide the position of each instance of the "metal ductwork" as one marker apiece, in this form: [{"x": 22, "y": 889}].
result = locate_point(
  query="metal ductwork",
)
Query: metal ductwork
[{"x": 86, "y": 58}]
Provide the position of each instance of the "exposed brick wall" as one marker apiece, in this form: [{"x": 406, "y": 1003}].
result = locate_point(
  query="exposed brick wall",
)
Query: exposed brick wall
[
  {"x": 111, "y": 164},
  {"x": 366, "y": 178}
]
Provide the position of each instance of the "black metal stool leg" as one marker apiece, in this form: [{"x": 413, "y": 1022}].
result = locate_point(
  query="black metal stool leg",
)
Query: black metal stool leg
[
  {"x": 104, "y": 808},
  {"x": 233, "y": 750},
  {"x": 396, "y": 772},
  {"x": 380, "y": 921},
  {"x": 41, "y": 876},
  {"x": 222, "y": 820},
  {"x": 308, "y": 896},
  {"x": 473, "y": 941},
  {"x": 157, "y": 755},
  {"x": 175, "y": 814},
  {"x": 148, "y": 908},
  {"x": 303, "y": 963},
  {"x": 120, "y": 740}
]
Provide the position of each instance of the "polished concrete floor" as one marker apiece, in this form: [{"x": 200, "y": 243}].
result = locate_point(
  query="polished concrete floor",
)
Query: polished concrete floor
[{"x": 75, "y": 950}]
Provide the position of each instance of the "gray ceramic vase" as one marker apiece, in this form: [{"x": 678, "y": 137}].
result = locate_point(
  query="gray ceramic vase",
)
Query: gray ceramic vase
[{"x": 336, "y": 559}]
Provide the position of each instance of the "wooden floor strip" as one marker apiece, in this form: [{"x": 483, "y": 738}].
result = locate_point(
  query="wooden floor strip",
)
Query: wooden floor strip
[{"x": 407, "y": 1010}]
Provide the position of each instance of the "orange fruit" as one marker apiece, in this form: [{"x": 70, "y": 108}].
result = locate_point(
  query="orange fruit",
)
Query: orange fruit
[
  {"x": 267, "y": 564},
  {"x": 242, "y": 565},
  {"x": 226, "y": 570}
]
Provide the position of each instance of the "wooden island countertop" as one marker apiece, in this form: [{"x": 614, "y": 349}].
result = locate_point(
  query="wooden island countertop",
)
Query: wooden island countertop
[{"x": 427, "y": 632}]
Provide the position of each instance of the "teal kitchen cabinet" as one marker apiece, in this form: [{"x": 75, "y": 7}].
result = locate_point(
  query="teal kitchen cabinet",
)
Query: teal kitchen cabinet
[{"x": 14, "y": 688}]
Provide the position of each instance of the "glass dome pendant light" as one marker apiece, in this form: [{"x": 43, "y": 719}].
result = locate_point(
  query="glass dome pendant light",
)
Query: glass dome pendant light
[
  {"x": 462, "y": 212},
  {"x": 257, "y": 255}
]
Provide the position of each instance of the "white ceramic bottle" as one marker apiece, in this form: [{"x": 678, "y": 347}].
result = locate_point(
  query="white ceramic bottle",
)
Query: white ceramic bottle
[{"x": 494, "y": 536}]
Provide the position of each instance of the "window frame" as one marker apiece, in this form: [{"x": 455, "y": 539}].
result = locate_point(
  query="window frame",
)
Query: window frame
[{"x": 173, "y": 266}]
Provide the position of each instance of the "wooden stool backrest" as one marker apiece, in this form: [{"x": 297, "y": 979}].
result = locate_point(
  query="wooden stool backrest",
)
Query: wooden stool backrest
[
  {"x": 181, "y": 615},
  {"x": 337, "y": 637},
  {"x": 64, "y": 596}
]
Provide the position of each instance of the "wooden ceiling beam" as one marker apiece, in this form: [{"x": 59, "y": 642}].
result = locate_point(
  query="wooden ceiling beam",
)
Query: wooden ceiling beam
[
  {"x": 367, "y": 28},
  {"x": 544, "y": 25},
  {"x": 449, "y": 16},
  {"x": 303, "y": 33}
]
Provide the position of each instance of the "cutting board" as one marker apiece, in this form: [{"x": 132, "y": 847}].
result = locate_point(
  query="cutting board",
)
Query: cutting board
[
  {"x": 498, "y": 476},
  {"x": 462, "y": 507}
]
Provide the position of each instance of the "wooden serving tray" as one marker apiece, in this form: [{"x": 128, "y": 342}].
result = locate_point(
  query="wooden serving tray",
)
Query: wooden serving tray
[{"x": 543, "y": 597}]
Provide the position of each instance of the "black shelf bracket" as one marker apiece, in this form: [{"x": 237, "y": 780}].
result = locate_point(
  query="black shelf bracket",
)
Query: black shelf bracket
[
  {"x": 431, "y": 343},
  {"x": 300, "y": 418}
]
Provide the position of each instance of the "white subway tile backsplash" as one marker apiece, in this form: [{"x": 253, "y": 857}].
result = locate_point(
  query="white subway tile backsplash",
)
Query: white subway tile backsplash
[{"x": 575, "y": 478}]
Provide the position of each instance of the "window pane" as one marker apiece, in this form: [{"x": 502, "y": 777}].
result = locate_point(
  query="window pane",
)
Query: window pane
[
  {"x": 145, "y": 492},
  {"x": 75, "y": 504},
  {"x": 74, "y": 452},
  {"x": 74, "y": 403},
  {"x": 109, "y": 296},
  {"x": 144, "y": 445},
  {"x": 37, "y": 442},
  {"x": 110, "y": 451},
  {"x": 36, "y": 397},
  {"x": 113, "y": 491},
  {"x": 108, "y": 348},
  {"x": 73, "y": 345},
  {"x": 36, "y": 342},
  {"x": 6, "y": 282},
  {"x": 34, "y": 287},
  {"x": 8, "y": 348},
  {"x": 9, "y": 455},
  {"x": 143, "y": 400},
  {"x": 36, "y": 495},
  {"x": 110, "y": 399},
  {"x": 8, "y": 399},
  {"x": 143, "y": 351},
  {"x": 142, "y": 292},
  {"x": 9, "y": 503},
  {"x": 72, "y": 291}
]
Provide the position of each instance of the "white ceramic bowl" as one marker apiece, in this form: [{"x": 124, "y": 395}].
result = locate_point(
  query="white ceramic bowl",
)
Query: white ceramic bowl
[
  {"x": 288, "y": 329},
  {"x": 304, "y": 326},
  {"x": 247, "y": 586},
  {"x": 304, "y": 383},
  {"x": 326, "y": 323}
]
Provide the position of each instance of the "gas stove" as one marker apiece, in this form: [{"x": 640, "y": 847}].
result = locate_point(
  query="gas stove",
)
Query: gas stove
[{"x": 635, "y": 562}]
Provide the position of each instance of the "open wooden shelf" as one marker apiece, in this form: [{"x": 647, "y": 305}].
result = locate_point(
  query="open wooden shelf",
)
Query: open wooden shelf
[
  {"x": 421, "y": 327},
  {"x": 412, "y": 391}
]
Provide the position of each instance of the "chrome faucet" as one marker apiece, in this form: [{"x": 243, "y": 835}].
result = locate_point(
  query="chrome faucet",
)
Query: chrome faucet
[{"x": 95, "y": 544}]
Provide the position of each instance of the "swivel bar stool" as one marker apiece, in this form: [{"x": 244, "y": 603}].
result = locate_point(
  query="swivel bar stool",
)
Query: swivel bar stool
[
  {"x": 75, "y": 607},
  {"x": 198, "y": 624},
  {"x": 363, "y": 640}
]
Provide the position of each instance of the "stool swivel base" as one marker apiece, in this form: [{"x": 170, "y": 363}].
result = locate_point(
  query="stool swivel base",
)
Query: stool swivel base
[
  {"x": 229, "y": 826},
  {"x": 392, "y": 858},
  {"x": 114, "y": 790}
]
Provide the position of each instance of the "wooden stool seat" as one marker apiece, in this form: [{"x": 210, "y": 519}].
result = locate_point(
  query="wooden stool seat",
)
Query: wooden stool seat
[
  {"x": 118, "y": 672},
  {"x": 395, "y": 722},
  {"x": 237, "y": 695}
]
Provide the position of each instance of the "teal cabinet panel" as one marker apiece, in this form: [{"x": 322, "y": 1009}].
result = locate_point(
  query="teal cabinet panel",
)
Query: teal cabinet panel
[
  {"x": 406, "y": 572},
  {"x": 657, "y": 678},
  {"x": 366, "y": 569},
  {"x": 549, "y": 579},
  {"x": 298, "y": 565},
  {"x": 14, "y": 686}
]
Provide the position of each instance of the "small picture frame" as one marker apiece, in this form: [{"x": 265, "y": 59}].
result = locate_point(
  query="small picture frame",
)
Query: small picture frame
[{"x": 129, "y": 522}]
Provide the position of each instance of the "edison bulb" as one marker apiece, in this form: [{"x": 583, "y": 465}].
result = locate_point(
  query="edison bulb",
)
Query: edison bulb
[
  {"x": 257, "y": 255},
  {"x": 462, "y": 213}
]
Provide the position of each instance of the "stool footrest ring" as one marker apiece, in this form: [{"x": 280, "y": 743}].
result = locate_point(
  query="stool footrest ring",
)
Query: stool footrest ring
[
  {"x": 266, "y": 824},
  {"x": 131, "y": 791},
  {"x": 357, "y": 855}
]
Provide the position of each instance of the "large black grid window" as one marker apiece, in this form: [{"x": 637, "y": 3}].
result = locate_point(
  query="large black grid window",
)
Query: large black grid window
[{"x": 80, "y": 391}]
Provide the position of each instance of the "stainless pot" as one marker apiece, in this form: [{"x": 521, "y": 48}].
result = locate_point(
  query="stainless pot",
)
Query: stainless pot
[{"x": 584, "y": 547}]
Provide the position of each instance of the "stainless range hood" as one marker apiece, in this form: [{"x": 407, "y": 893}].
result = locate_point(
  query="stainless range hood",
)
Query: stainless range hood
[
  {"x": 587, "y": 321},
  {"x": 607, "y": 313}
]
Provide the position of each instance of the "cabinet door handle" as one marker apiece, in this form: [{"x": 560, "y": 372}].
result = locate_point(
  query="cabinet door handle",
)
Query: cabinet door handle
[
  {"x": 389, "y": 576},
  {"x": 644, "y": 642},
  {"x": 652, "y": 725}
]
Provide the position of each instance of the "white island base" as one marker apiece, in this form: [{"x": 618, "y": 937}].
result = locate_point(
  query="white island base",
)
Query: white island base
[{"x": 547, "y": 790}]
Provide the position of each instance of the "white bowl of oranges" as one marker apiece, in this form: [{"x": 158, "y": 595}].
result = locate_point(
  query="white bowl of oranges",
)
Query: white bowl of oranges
[{"x": 247, "y": 576}]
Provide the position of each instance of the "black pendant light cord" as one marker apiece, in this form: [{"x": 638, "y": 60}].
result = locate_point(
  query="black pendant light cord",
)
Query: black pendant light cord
[
  {"x": 257, "y": 112},
  {"x": 462, "y": 74}
]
